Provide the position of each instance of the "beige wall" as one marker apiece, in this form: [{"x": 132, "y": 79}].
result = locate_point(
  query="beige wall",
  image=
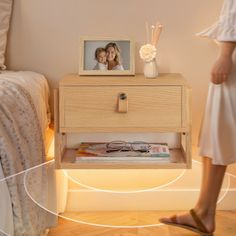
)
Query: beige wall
[{"x": 44, "y": 36}]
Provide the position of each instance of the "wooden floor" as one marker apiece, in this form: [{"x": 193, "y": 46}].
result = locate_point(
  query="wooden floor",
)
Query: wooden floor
[{"x": 226, "y": 224}]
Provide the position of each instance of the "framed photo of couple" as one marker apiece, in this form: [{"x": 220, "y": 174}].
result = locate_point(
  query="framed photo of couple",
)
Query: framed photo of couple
[{"x": 106, "y": 56}]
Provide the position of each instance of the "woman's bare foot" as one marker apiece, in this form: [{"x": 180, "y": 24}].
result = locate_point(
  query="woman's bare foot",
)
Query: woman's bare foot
[{"x": 186, "y": 219}]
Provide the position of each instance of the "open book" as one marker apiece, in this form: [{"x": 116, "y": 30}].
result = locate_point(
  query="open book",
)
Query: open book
[{"x": 99, "y": 151}]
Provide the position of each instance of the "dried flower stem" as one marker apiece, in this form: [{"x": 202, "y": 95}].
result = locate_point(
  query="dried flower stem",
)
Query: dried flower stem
[
  {"x": 158, "y": 31},
  {"x": 155, "y": 33},
  {"x": 147, "y": 31},
  {"x": 153, "y": 30}
]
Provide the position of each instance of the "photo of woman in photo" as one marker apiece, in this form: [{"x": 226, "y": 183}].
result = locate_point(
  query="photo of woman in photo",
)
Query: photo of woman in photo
[
  {"x": 108, "y": 58},
  {"x": 113, "y": 57}
]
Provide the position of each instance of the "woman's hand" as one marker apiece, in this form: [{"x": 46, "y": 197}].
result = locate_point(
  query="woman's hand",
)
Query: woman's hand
[
  {"x": 221, "y": 69},
  {"x": 223, "y": 65}
]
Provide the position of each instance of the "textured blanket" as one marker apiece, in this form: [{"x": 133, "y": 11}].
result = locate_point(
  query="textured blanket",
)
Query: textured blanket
[{"x": 21, "y": 148}]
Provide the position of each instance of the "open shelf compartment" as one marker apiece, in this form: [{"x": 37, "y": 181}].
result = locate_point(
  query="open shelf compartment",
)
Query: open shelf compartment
[
  {"x": 180, "y": 158},
  {"x": 176, "y": 160}
]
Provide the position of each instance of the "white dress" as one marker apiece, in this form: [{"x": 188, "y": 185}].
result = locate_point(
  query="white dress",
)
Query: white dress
[{"x": 217, "y": 138}]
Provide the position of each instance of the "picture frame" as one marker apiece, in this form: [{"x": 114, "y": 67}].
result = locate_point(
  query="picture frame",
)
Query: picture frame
[{"x": 106, "y": 56}]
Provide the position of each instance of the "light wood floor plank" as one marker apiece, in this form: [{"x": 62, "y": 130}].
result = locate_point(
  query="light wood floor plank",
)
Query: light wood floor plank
[{"x": 226, "y": 224}]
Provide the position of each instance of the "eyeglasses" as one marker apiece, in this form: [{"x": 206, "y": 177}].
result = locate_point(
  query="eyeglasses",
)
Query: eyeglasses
[{"x": 122, "y": 146}]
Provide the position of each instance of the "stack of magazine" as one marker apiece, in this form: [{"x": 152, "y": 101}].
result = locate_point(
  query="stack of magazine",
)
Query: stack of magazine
[{"x": 93, "y": 151}]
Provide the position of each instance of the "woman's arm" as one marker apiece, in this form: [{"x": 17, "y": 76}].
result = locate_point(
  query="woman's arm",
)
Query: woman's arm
[{"x": 223, "y": 65}]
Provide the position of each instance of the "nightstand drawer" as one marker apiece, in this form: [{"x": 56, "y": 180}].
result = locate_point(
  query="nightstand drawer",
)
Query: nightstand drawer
[{"x": 97, "y": 106}]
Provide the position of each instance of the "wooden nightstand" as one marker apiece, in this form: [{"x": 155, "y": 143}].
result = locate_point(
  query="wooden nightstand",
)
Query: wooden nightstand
[{"x": 123, "y": 104}]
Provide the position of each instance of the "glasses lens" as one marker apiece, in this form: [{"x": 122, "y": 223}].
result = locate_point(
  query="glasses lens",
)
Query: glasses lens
[
  {"x": 140, "y": 146},
  {"x": 116, "y": 145}
]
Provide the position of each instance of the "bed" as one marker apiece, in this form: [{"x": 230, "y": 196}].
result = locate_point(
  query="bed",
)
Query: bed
[{"x": 24, "y": 118}]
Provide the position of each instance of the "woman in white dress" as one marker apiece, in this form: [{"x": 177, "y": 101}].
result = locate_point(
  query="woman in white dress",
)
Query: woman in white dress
[{"x": 217, "y": 139}]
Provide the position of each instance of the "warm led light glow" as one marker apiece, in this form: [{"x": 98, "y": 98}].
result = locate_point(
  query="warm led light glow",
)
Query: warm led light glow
[
  {"x": 111, "y": 226},
  {"x": 51, "y": 152},
  {"x": 116, "y": 226},
  {"x": 131, "y": 191},
  {"x": 83, "y": 222}
]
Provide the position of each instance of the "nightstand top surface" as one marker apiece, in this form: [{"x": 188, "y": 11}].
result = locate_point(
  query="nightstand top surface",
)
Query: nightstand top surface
[{"x": 136, "y": 80}]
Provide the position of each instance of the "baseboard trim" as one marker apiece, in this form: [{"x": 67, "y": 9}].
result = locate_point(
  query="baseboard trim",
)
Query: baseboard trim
[{"x": 162, "y": 199}]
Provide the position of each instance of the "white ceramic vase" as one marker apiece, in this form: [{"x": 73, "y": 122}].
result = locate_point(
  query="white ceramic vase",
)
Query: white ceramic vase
[{"x": 150, "y": 69}]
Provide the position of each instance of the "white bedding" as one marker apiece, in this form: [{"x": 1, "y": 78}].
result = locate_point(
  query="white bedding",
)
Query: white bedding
[
  {"x": 37, "y": 87},
  {"x": 6, "y": 217}
]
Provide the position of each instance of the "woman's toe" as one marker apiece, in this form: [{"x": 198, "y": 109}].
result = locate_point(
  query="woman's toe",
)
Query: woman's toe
[{"x": 171, "y": 219}]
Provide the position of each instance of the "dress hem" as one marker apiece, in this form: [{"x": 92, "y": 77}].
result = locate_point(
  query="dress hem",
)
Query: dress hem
[{"x": 214, "y": 162}]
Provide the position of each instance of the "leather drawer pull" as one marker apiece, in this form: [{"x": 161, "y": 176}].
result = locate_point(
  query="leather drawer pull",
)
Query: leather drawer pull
[{"x": 122, "y": 103}]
